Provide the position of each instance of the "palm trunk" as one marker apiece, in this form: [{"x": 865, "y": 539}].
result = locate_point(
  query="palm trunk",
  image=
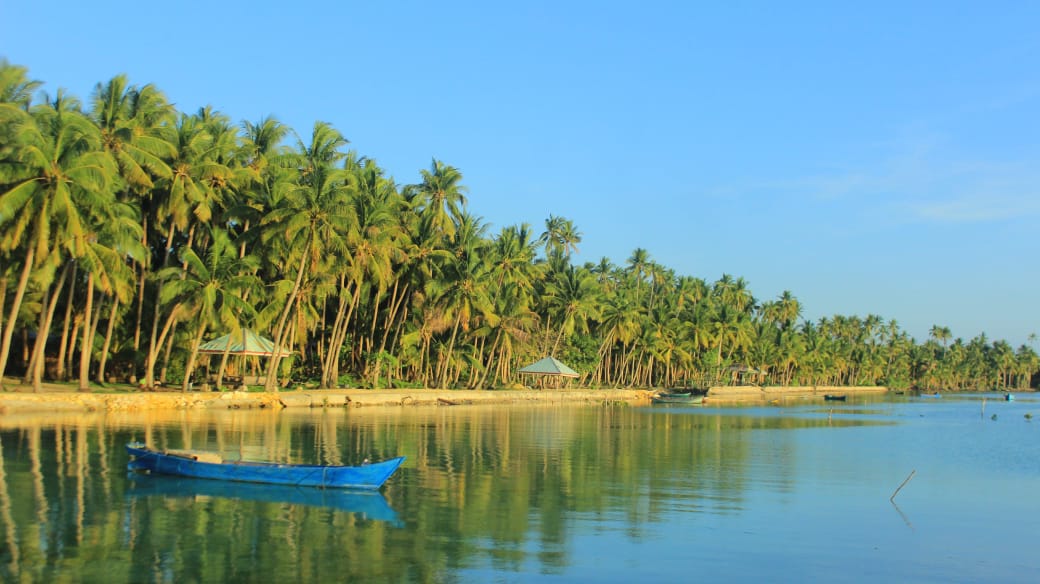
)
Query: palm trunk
[
  {"x": 140, "y": 284},
  {"x": 272, "y": 367},
  {"x": 451, "y": 349},
  {"x": 153, "y": 345},
  {"x": 337, "y": 346},
  {"x": 103, "y": 360},
  {"x": 66, "y": 326},
  {"x": 41, "y": 337},
  {"x": 140, "y": 310},
  {"x": 491, "y": 360},
  {"x": 390, "y": 316},
  {"x": 153, "y": 356},
  {"x": 329, "y": 367},
  {"x": 87, "y": 342},
  {"x": 12, "y": 318},
  {"x": 77, "y": 321},
  {"x": 41, "y": 349},
  {"x": 166, "y": 354},
  {"x": 3, "y": 298},
  {"x": 189, "y": 369}
]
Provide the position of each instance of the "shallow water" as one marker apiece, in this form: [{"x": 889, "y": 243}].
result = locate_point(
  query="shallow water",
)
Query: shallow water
[{"x": 542, "y": 493}]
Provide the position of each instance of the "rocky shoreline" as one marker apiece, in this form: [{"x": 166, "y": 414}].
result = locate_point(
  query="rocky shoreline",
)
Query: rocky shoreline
[{"x": 64, "y": 399}]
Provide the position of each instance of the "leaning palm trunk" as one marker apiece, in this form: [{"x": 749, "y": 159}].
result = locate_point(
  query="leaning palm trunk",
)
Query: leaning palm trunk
[
  {"x": 189, "y": 369},
  {"x": 451, "y": 348},
  {"x": 336, "y": 346},
  {"x": 3, "y": 298},
  {"x": 41, "y": 337},
  {"x": 279, "y": 332},
  {"x": 223, "y": 362},
  {"x": 329, "y": 369},
  {"x": 16, "y": 304},
  {"x": 153, "y": 344},
  {"x": 491, "y": 364},
  {"x": 66, "y": 327},
  {"x": 150, "y": 360},
  {"x": 140, "y": 285},
  {"x": 87, "y": 342},
  {"x": 167, "y": 352},
  {"x": 140, "y": 309},
  {"x": 103, "y": 359},
  {"x": 39, "y": 358}
]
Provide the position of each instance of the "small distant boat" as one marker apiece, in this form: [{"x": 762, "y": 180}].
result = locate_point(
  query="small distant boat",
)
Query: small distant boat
[
  {"x": 936, "y": 394},
  {"x": 677, "y": 398},
  {"x": 832, "y": 397},
  {"x": 210, "y": 465},
  {"x": 1009, "y": 397}
]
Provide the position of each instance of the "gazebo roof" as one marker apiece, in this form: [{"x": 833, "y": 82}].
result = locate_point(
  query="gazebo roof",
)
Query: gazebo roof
[
  {"x": 549, "y": 366},
  {"x": 246, "y": 342}
]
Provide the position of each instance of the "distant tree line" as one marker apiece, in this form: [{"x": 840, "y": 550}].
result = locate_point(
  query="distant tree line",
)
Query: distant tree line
[{"x": 131, "y": 233}]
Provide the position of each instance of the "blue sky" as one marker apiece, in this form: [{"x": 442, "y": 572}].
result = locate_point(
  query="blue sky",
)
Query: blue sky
[{"x": 877, "y": 157}]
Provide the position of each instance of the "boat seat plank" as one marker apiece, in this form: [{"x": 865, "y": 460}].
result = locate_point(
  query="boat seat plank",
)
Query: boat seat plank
[{"x": 210, "y": 457}]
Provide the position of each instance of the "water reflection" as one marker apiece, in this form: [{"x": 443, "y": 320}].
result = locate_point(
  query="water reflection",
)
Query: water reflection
[
  {"x": 365, "y": 504},
  {"x": 486, "y": 491}
]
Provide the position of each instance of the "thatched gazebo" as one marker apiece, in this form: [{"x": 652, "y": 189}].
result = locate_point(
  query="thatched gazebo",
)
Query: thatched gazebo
[
  {"x": 244, "y": 343},
  {"x": 551, "y": 368}
]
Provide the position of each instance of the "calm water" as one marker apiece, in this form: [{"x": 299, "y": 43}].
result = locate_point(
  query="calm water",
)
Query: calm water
[{"x": 541, "y": 494}]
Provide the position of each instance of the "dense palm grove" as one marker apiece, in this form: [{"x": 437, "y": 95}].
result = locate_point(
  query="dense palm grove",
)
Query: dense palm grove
[{"x": 130, "y": 233}]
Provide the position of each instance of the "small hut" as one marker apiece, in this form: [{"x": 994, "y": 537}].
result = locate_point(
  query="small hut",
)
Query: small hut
[
  {"x": 740, "y": 374},
  {"x": 245, "y": 343},
  {"x": 549, "y": 367}
]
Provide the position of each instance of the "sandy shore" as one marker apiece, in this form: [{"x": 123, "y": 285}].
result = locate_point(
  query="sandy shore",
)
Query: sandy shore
[{"x": 64, "y": 397}]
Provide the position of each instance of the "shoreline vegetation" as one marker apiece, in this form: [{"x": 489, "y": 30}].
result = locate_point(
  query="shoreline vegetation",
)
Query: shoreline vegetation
[{"x": 132, "y": 233}]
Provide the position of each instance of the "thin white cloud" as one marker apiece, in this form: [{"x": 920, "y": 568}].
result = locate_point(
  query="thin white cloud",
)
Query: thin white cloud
[
  {"x": 920, "y": 182},
  {"x": 979, "y": 207}
]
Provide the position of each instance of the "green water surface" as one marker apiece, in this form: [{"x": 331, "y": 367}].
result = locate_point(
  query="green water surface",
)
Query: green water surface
[{"x": 792, "y": 493}]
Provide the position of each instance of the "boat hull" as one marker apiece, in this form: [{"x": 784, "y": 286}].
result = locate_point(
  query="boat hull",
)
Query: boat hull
[
  {"x": 677, "y": 399},
  {"x": 368, "y": 476}
]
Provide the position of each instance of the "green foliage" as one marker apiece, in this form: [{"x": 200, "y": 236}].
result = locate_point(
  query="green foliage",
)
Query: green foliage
[{"x": 191, "y": 226}]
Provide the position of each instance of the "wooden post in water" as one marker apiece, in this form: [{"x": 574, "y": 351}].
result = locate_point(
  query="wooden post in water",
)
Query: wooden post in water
[{"x": 912, "y": 473}]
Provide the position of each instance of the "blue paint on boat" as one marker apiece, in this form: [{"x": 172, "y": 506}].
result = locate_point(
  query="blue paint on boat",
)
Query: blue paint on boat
[{"x": 205, "y": 465}]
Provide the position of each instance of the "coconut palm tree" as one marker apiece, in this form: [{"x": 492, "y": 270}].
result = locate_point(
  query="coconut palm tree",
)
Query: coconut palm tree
[
  {"x": 462, "y": 287},
  {"x": 62, "y": 175},
  {"x": 308, "y": 224},
  {"x": 136, "y": 129},
  {"x": 560, "y": 236},
  {"x": 439, "y": 198},
  {"x": 211, "y": 290},
  {"x": 573, "y": 301}
]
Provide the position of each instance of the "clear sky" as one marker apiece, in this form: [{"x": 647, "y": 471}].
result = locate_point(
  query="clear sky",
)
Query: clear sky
[{"x": 870, "y": 157}]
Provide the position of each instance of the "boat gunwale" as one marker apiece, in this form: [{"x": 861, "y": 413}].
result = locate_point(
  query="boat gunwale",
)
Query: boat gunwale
[{"x": 145, "y": 458}]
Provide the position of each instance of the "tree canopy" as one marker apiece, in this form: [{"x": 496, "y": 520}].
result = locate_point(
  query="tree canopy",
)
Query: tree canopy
[{"x": 129, "y": 231}]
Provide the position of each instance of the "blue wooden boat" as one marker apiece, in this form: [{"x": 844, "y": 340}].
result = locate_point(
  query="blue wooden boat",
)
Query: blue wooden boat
[
  {"x": 935, "y": 395},
  {"x": 210, "y": 465},
  {"x": 1009, "y": 397},
  {"x": 366, "y": 504}
]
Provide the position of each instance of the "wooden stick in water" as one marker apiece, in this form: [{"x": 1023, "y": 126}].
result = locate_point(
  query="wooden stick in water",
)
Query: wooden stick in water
[{"x": 912, "y": 473}]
